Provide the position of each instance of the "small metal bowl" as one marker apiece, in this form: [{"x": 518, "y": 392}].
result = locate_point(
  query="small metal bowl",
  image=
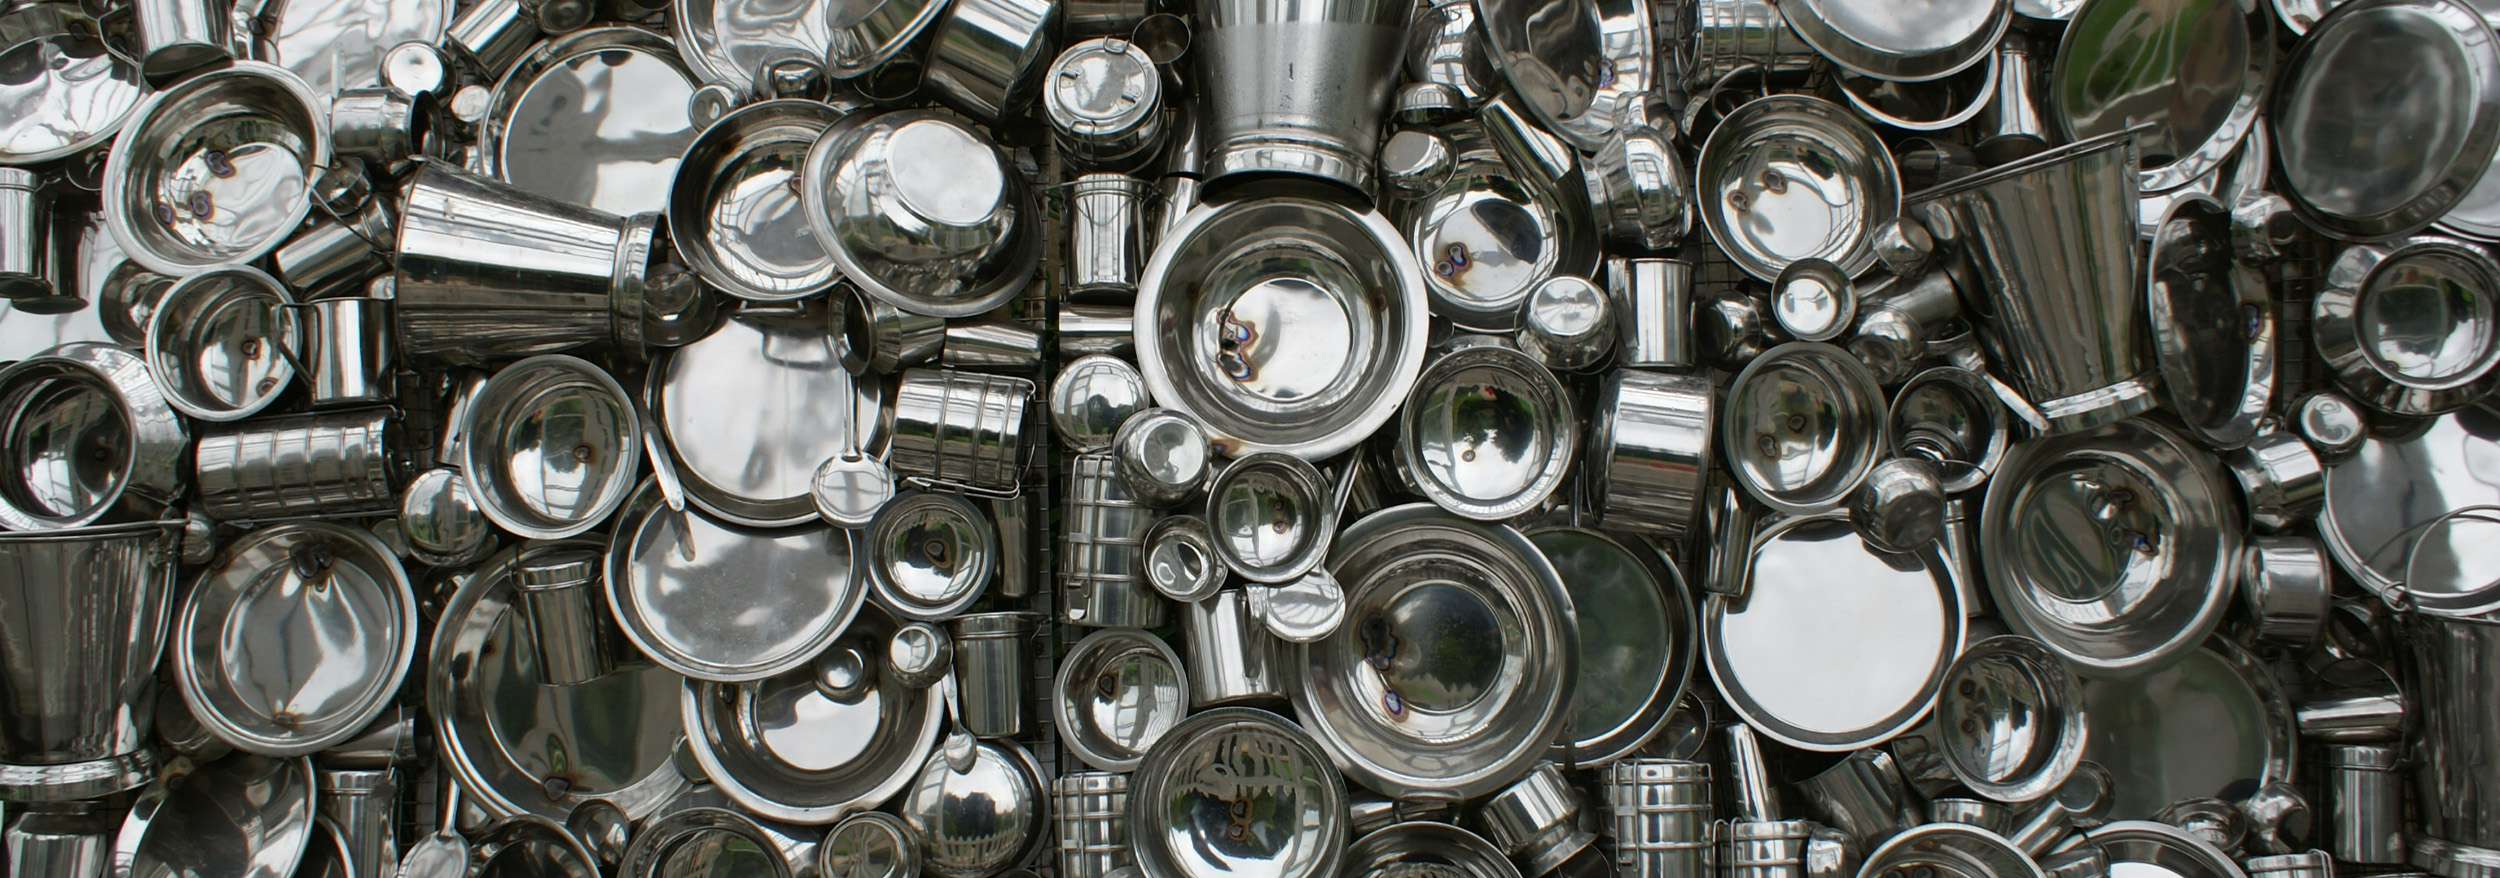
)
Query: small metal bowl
[
  {"x": 1950, "y": 415},
  {"x": 239, "y": 653},
  {"x": 1272, "y": 515},
  {"x": 979, "y": 821},
  {"x": 1786, "y": 177},
  {"x": 1092, "y": 397},
  {"x": 1802, "y": 426},
  {"x": 216, "y": 169},
  {"x": 782, "y": 749},
  {"x": 715, "y": 841},
  {"x": 1245, "y": 761},
  {"x": 1180, "y": 559},
  {"x": 2010, "y": 719},
  {"x": 684, "y": 588},
  {"x": 1282, "y": 323},
  {"x": 1488, "y": 432},
  {"x": 2213, "y": 324},
  {"x": 1119, "y": 691},
  {"x": 1812, "y": 300},
  {"x": 1934, "y": 105},
  {"x": 930, "y": 555},
  {"x": 79, "y": 92},
  {"x": 1163, "y": 456},
  {"x": 84, "y": 434},
  {"x": 1905, "y": 40},
  {"x": 223, "y": 343},
  {"x": 865, "y": 34},
  {"x": 2411, "y": 328},
  {"x": 734, "y": 212},
  {"x": 919, "y": 209},
  {"x": 552, "y": 446}
]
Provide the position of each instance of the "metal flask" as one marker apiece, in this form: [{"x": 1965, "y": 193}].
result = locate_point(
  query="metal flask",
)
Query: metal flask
[
  {"x": 88, "y": 610},
  {"x": 1296, "y": 88}
]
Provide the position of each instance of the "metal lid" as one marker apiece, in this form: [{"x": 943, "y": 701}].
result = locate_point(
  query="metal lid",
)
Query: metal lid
[
  {"x": 216, "y": 169},
  {"x": 981, "y": 820},
  {"x": 782, "y": 748},
  {"x": 1637, "y": 638},
  {"x": 1092, "y": 398},
  {"x": 557, "y": 570},
  {"x": 1102, "y": 92},
  {"x": 923, "y": 212},
  {"x": 736, "y": 41},
  {"x": 1119, "y": 691},
  {"x": 1904, "y": 40},
  {"x": 1230, "y": 275},
  {"x": 518, "y": 746},
  {"x": 1423, "y": 847},
  {"x": 79, "y": 92},
  {"x": 1180, "y": 558},
  {"x": 2359, "y": 165},
  {"x": 2212, "y": 322},
  {"x": 1786, "y": 177},
  {"x": 552, "y": 446},
  {"x": 1832, "y": 669},
  {"x": 1452, "y": 673},
  {"x": 339, "y": 44},
  {"x": 2010, "y": 719},
  {"x": 2361, "y": 756},
  {"x": 2411, "y": 328},
  {"x": 57, "y": 410},
  {"x": 2121, "y": 67},
  {"x": 752, "y": 409},
  {"x": 2160, "y": 850},
  {"x": 1802, "y": 425},
  {"x": 2114, "y": 546},
  {"x": 870, "y": 844},
  {"x": 1272, "y": 516},
  {"x": 247, "y": 816},
  {"x": 1488, "y": 432},
  {"x": 1487, "y": 236},
  {"x": 717, "y": 601},
  {"x": 2399, "y": 512},
  {"x": 223, "y": 343},
  {"x": 930, "y": 555},
  {"x": 734, "y": 209},
  {"x": 596, "y": 117},
  {"x": 2247, "y": 743},
  {"x": 1235, "y": 790},
  {"x": 1569, "y": 323},
  {"x": 1950, "y": 850},
  {"x": 297, "y": 638}
]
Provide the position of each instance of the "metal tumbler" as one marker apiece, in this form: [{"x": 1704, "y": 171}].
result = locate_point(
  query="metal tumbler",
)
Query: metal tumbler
[
  {"x": 575, "y": 638},
  {"x": 62, "y": 840},
  {"x": 348, "y": 349},
  {"x": 1103, "y": 549},
  {"x": 964, "y": 429},
  {"x": 1650, "y": 450},
  {"x": 992, "y": 667},
  {"x": 1296, "y": 88},
  {"x": 175, "y": 36},
  {"x": 1661, "y": 812},
  {"x": 378, "y": 125},
  {"x": 1767, "y": 848},
  {"x": 333, "y": 463},
  {"x": 1863, "y": 796},
  {"x": 1090, "y": 809},
  {"x": 364, "y": 802},
  {"x": 333, "y": 250},
  {"x": 25, "y": 237},
  {"x": 493, "y": 34},
  {"x": 2364, "y": 818},
  {"x": 1653, "y": 301},
  {"x": 86, "y": 614},
  {"x": 1232, "y": 659},
  {"x": 1107, "y": 241},
  {"x": 2458, "y": 785}
]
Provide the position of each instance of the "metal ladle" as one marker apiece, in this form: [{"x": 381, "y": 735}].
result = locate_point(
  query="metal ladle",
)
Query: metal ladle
[
  {"x": 850, "y": 487},
  {"x": 445, "y": 854}
]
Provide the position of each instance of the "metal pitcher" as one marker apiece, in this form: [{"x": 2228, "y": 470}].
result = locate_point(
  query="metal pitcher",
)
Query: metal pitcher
[{"x": 83, "y": 614}]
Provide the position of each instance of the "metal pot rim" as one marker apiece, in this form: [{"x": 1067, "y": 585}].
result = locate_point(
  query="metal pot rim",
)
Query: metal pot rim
[
  {"x": 208, "y": 608},
  {"x": 2340, "y": 338},
  {"x": 1551, "y": 405},
  {"x": 486, "y": 476}
]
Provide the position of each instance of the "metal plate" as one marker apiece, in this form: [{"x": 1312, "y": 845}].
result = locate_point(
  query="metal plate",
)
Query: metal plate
[
  {"x": 245, "y": 816},
  {"x": 2387, "y": 113},
  {"x": 1791, "y": 176},
  {"x": 1903, "y": 40},
  {"x": 782, "y": 749},
  {"x": 716, "y": 601},
  {"x": 2213, "y": 325},
  {"x": 731, "y": 41},
  {"x": 1637, "y": 638},
  {"x": 751, "y": 410},
  {"x": 596, "y": 117},
  {"x": 1237, "y": 766},
  {"x": 78, "y": 93},
  {"x": 2388, "y": 516},
  {"x": 2411, "y": 328},
  {"x": 1834, "y": 646},
  {"x": 297, "y": 639},
  {"x": 2191, "y": 73},
  {"x": 338, "y": 44},
  {"x": 2240, "y": 738}
]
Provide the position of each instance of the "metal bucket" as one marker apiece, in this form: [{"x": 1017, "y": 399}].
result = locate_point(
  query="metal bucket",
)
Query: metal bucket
[
  {"x": 964, "y": 429},
  {"x": 83, "y": 616},
  {"x": 1297, "y": 88},
  {"x": 2459, "y": 700}
]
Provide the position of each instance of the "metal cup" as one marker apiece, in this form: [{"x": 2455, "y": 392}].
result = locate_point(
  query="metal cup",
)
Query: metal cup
[
  {"x": 992, "y": 665},
  {"x": 1767, "y": 848},
  {"x": 1536, "y": 821},
  {"x": 25, "y": 237},
  {"x": 575, "y": 638},
  {"x": 62, "y": 840},
  {"x": 1107, "y": 243},
  {"x": 1651, "y": 450},
  {"x": 380, "y": 126},
  {"x": 175, "y": 36},
  {"x": 85, "y": 436},
  {"x": 2284, "y": 581},
  {"x": 964, "y": 429},
  {"x": 1653, "y": 301},
  {"x": 1005, "y": 345},
  {"x": 1103, "y": 549},
  {"x": 2458, "y": 784},
  {"x": 878, "y": 337},
  {"x": 1096, "y": 329},
  {"x": 2364, "y": 805},
  {"x": 1090, "y": 808},
  {"x": 88, "y": 610},
  {"x": 1863, "y": 796},
  {"x": 1732, "y": 34},
  {"x": 1661, "y": 810},
  {"x": 1232, "y": 659},
  {"x": 493, "y": 34},
  {"x": 2282, "y": 479},
  {"x": 336, "y": 463},
  {"x": 987, "y": 57},
  {"x": 1296, "y": 88},
  {"x": 347, "y": 343},
  {"x": 364, "y": 803},
  {"x": 332, "y": 250},
  {"x": 2012, "y": 125}
]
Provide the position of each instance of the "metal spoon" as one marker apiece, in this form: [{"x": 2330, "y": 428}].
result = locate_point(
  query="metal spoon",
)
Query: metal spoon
[
  {"x": 850, "y": 487},
  {"x": 445, "y": 854}
]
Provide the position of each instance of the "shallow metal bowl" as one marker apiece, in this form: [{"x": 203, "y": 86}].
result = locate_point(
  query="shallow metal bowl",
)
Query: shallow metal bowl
[
  {"x": 216, "y": 169},
  {"x": 1950, "y": 415},
  {"x": 2011, "y": 719},
  {"x": 223, "y": 343},
  {"x": 1237, "y": 767},
  {"x": 1118, "y": 692},
  {"x": 734, "y": 210},
  {"x": 1802, "y": 426},
  {"x": 2411, "y": 328},
  {"x": 2213, "y": 324},
  {"x": 920, "y": 210},
  {"x": 239, "y": 651},
  {"x": 1791, "y": 176},
  {"x": 1272, "y": 516},
  {"x": 552, "y": 446}
]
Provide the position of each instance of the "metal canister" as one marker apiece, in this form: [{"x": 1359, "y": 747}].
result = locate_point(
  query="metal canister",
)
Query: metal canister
[
  {"x": 1731, "y": 34},
  {"x": 1232, "y": 659},
  {"x": 25, "y": 237},
  {"x": 1536, "y": 821},
  {"x": 1104, "y": 99},
  {"x": 1006, "y": 345},
  {"x": 2305, "y": 864},
  {"x": 379, "y": 126},
  {"x": 1767, "y": 848},
  {"x": 348, "y": 349},
  {"x": 1661, "y": 813},
  {"x": 964, "y": 429},
  {"x": 570, "y": 628},
  {"x": 1103, "y": 549},
  {"x": 2284, "y": 581},
  {"x": 1090, "y": 808},
  {"x": 1014, "y": 516},
  {"x": 1650, "y": 450},
  {"x": 364, "y": 802},
  {"x": 992, "y": 665},
  {"x": 331, "y": 463},
  {"x": 1107, "y": 242},
  {"x": 63, "y": 839},
  {"x": 2364, "y": 819},
  {"x": 2458, "y": 786}
]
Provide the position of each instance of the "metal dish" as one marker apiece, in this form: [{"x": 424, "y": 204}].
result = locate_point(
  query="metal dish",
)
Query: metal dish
[
  {"x": 2246, "y": 744},
  {"x": 2114, "y": 547},
  {"x": 716, "y": 601},
  {"x": 1180, "y": 559},
  {"x": 79, "y": 95},
  {"x": 1901, "y": 40},
  {"x": 734, "y": 211},
  {"x": 1934, "y": 105},
  {"x": 750, "y": 410},
  {"x": 870, "y": 844},
  {"x": 1488, "y": 432},
  {"x": 518, "y": 746},
  {"x": 2397, "y": 512},
  {"x": 2159, "y": 850},
  {"x": 1488, "y": 235},
  {"x": 1790, "y": 176},
  {"x": 529, "y": 846},
  {"x": 248, "y": 816},
  {"x": 595, "y": 117},
  {"x": 2124, "y": 66},
  {"x": 920, "y": 210},
  {"x": 223, "y": 343},
  {"x": 2361, "y": 166},
  {"x": 552, "y": 446},
  {"x": 1950, "y": 850},
  {"x": 216, "y": 169},
  {"x": 1272, "y": 516},
  {"x": 1578, "y": 66},
  {"x": 980, "y": 820},
  {"x": 1811, "y": 300},
  {"x": 1453, "y": 672},
  {"x": 1211, "y": 335},
  {"x": 57, "y": 409},
  {"x": 1638, "y": 638},
  {"x": 930, "y": 555},
  {"x": 865, "y": 34},
  {"x": 239, "y": 648},
  {"x": 2213, "y": 324},
  {"x": 1118, "y": 692},
  {"x": 1802, "y": 425},
  {"x": 1952, "y": 416},
  {"x": 735, "y": 41},
  {"x": 782, "y": 748},
  {"x": 1422, "y": 847},
  {"x": 1832, "y": 669},
  {"x": 2010, "y": 719},
  {"x": 338, "y": 44},
  {"x": 1237, "y": 761},
  {"x": 2412, "y": 327}
]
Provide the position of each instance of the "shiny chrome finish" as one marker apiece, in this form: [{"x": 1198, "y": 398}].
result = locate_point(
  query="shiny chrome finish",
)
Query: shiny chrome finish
[
  {"x": 869, "y": 40},
  {"x": 1118, "y": 691},
  {"x": 1103, "y": 549},
  {"x": 1653, "y": 312},
  {"x": 595, "y": 118},
  {"x": 2331, "y": 424},
  {"x": 1580, "y": 68},
  {"x": 89, "y": 608},
  {"x": 783, "y": 749},
  {"x": 751, "y": 409},
  {"x": 1935, "y": 105},
  {"x": 2144, "y": 846},
  {"x": 1273, "y": 516},
  {"x": 1787, "y": 177},
  {"x": 2213, "y": 325},
  {"x": 736, "y": 42},
  {"x": 1900, "y": 507},
  {"x": 1637, "y": 638},
  {"x": 347, "y": 345},
  {"x": 986, "y": 57},
  {"x": 1295, "y": 88},
  {"x": 2457, "y": 706},
  {"x": 1163, "y": 457},
  {"x": 707, "y": 840},
  {"x": 1490, "y": 233},
  {"x": 173, "y": 37},
  {"x": 1237, "y": 760},
  {"x": 993, "y": 668},
  {"x": 1638, "y": 189},
  {"x": 2411, "y": 328},
  {"x": 1650, "y": 450},
  {"x": 1093, "y": 397},
  {"x": 1452, "y": 672},
  {"x": 734, "y": 211},
  {"x": 2280, "y": 478},
  {"x": 1425, "y": 847},
  {"x": 573, "y": 640},
  {"x": 2152, "y": 765},
  {"x": 980, "y": 820},
  {"x": 223, "y": 344},
  {"x": 1104, "y": 100},
  {"x": 78, "y": 94},
  {"x": 684, "y": 587},
  {"x": 1568, "y": 324},
  {"x": 1951, "y": 416},
  {"x": 1180, "y": 559},
  {"x": 1232, "y": 658},
  {"x": 532, "y": 847},
  {"x": 2329, "y": 125},
  {"x": 1536, "y": 821},
  {"x": 362, "y": 805},
  {"x": 870, "y": 844},
  {"x": 929, "y": 555},
  {"x": 1211, "y": 328},
  {"x": 2010, "y": 719},
  {"x": 1090, "y": 810},
  {"x": 964, "y": 429},
  {"x": 923, "y": 212},
  {"x": 1732, "y": 35},
  {"x": 2121, "y": 68},
  {"x": 1488, "y": 433},
  {"x": 166, "y": 202},
  {"x": 1863, "y": 797},
  {"x": 85, "y": 437},
  {"x": 332, "y": 463},
  {"x": 1900, "y": 41},
  {"x": 553, "y": 443},
  {"x": 1812, "y": 300},
  {"x": 238, "y": 647},
  {"x": 880, "y": 338},
  {"x": 28, "y": 274},
  {"x": 73, "y": 839},
  {"x": 1951, "y": 849},
  {"x": 247, "y": 815},
  {"x": 369, "y": 123},
  {"x": 1107, "y": 233},
  {"x": 1802, "y": 427},
  {"x": 1661, "y": 810},
  {"x": 2399, "y": 517}
]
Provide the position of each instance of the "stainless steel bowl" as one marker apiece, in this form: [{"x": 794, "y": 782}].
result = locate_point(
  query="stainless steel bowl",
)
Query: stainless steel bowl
[
  {"x": 919, "y": 209},
  {"x": 79, "y": 93},
  {"x": 1282, "y": 323},
  {"x": 1638, "y": 638},
  {"x": 1422, "y": 847},
  {"x": 216, "y": 169},
  {"x": 750, "y": 410},
  {"x": 2011, "y": 719},
  {"x": 930, "y": 555},
  {"x": 2213, "y": 324},
  {"x": 552, "y": 447},
  {"x": 2357, "y": 165},
  {"x": 1488, "y": 432},
  {"x": 981, "y": 819},
  {"x": 716, "y": 601},
  {"x": 245, "y": 815},
  {"x": 240, "y": 649},
  {"x": 1791, "y": 176},
  {"x": 716, "y": 841},
  {"x": 85, "y": 435},
  {"x": 597, "y": 117},
  {"x": 734, "y": 211},
  {"x": 736, "y": 41},
  {"x": 1272, "y": 516},
  {"x": 1950, "y": 850},
  {"x": 1802, "y": 426},
  {"x": 2187, "y": 107},
  {"x": 1118, "y": 692},
  {"x": 1901, "y": 41},
  {"x": 223, "y": 343},
  {"x": 1952, "y": 416},
  {"x": 1934, "y": 105},
  {"x": 2411, "y": 327},
  {"x": 1237, "y": 767}
]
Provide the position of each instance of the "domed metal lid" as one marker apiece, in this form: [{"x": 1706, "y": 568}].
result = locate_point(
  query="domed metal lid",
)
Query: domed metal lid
[
  {"x": 1102, "y": 89},
  {"x": 596, "y": 117},
  {"x": 1118, "y": 692},
  {"x": 1237, "y": 790},
  {"x": 2359, "y": 165},
  {"x": 717, "y": 601},
  {"x": 1801, "y": 426},
  {"x": 734, "y": 208},
  {"x": 2247, "y": 744},
  {"x": 1791, "y": 176},
  {"x": 552, "y": 447},
  {"x": 981, "y": 820},
  {"x": 1488, "y": 432},
  {"x": 930, "y": 555},
  {"x": 297, "y": 638},
  {"x": 1092, "y": 397},
  {"x": 752, "y": 409},
  {"x": 223, "y": 343},
  {"x": 920, "y": 210},
  {"x": 217, "y": 169},
  {"x": 1638, "y": 638}
]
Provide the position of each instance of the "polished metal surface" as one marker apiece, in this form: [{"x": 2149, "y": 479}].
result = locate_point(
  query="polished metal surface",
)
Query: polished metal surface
[
  {"x": 871, "y": 844},
  {"x": 1232, "y": 658},
  {"x": 272, "y": 590},
  {"x": 1652, "y": 299},
  {"x": 1103, "y": 549},
  {"x": 993, "y": 673},
  {"x": 553, "y": 443},
  {"x": 1163, "y": 457},
  {"x": 2360, "y": 165},
  {"x": 981, "y": 819},
  {"x": 1661, "y": 811},
  {"x": 1273, "y": 516},
  {"x": 1488, "y": 234},
  {"x": 595, "y": 118},
  {"x": 1952, "y": 850},
  {"x": 1237, "y": 789},
  {"x": 339, "y": 44},
  {"x": 1950, "y": 415},
  {"x": 2365, "y": 805},
  {"x": 734, "y": 209},
  {"x": 1536, "y": 820},
  {"x": 986, "y": 57},
  {"x": 2113, "y": 547},
  {"x": 1812, "y": 300},
  {"x": 752, "y": 408},
  {"x": 1180, "y": 559},
  {"x": 487, "y": 272},
  {"x": 718, "y": 842},
  {"x": 2159, "y": 850},
  {"x": 1090, "y": 811},
  {"x": 2411, "y": 327},
  {"x": 1104, "y": 100},
  {"x": 1650, "y": 447},
  {"x": 2123, "y": 66},
  {"x": 248, "y": 816},
  {"x": 1295, "y": 88},
  {"x": 1488, "y": 433},
  {"x": 1637, "y": 638},
  {"x": 1934, "y": 105},
  {"x": 2280, "y": 478},
  {"x": 1456, "y": 662},
  {"x": 781, "y": 748},
  {"x": 88, "y": 610},
  {"x": 324, "y": 463},
  {"x": 1093, "y": 398},
  {"x": 727, "y": 603},
  {"x": 929, "y": 555},
  {"x": 1118, "y": 691},
  {"x": 78, "y": 94},
  {"x": 1787, "y": 177},
  {"x": 2010, "y": 719},
  {"x": 2247, "y": 744},
  {"x": 85, "y": 437},
  {"x": 2457, "y": 707},
  {"x": 216, "y": 169},
  {"x": 1862, "y": 797},
  {"x": 347, "y": 347},
  {"x": 920, "y": 210},
  {"x": 2213, "y": 325},
  {"x": 223, "y": 343},
  {"x": 2400, "y": 511},
  {"x": 1568, "y": 324},
  {"x": 1832, "y": 669},
  {"x": 1801, "y": 427},
  {"x": 1282, "y": 324},
  {"x": 1906, "y": 42},
  {"x": 737, "y": 42},
  {"x": 865, "y": 37},
  {"x": 962, "y": 429},
  {"x": 1579, "y": 67},
  {"x": 1425, "y": 848},
  {"x": 532, "y": 847}
]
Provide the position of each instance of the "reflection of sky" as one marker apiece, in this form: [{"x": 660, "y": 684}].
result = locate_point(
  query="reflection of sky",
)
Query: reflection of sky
[
  {"x": 338, "y": 44},
  {"x": 604, "y": 130}
]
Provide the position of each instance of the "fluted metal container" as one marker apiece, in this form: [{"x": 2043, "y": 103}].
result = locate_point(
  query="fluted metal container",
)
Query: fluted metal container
[
  {"x": 2457, "y": 693},
  {"x": 1649, "y": 451},
  {"x": 965, "y": 429},
  {"x": 1102, "y": 557},
  {"x": 1661, "y": 814},
  {"x": 1767, "y": 848},
  {"x": 1729, "y": 34},
  {"x": 83, "y": 614},
  {"x": 1106, "y": 233},
  {"x": 334, "y": 463},
  {"x": 1090, "y": 809}
]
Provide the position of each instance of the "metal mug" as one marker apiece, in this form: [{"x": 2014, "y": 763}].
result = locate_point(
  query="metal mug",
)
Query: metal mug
[
  {"x": 175, "y": 36},
  {"x": 991, "y": 344},
  {"x": 1729, "y": 35},
  {"x": 88, "y": 612},
  {"x": 1103, "y": 549},
  {"x": 364, "y": 803},
  {"x": 987, "y": 57},
  {"x": 335, "y": 463},
  {"x": 1232, "y": 658},
  {"x": 26, "y": 257},
  {"x": 1107, "y": 242},
  {"x": 574, "y": 636},
  {"x": 62, "y": 840},
  {"x": 1090, "y": 809},
  {"x": 880, "y": 338},
  {"x": 1296, "y": 88},
  {"x": 2284, "y": 581},
  {"x": 347, "y": 342},
  {"x": 332, "y": 250},
  {"x": 2365, "y": 818},
  {"x": 1653, "y": 320},
  {"x": 1651, "y": 446},
  {"x": 1662, "y": 814},
  {"x": 963, "y": 429},
  {"x": 87, "y": 437},
  {"x": 1863, "y": 796},
  {"x": 493, "y": 35},
  {"x": 993, "y": 665}
]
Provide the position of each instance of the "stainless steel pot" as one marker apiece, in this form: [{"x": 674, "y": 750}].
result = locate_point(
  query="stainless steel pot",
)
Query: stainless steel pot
[{"x": 88, "y": 614}]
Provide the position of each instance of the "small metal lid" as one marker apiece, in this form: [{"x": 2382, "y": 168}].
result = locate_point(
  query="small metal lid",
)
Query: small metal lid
[
  {"x": 1414, "y": 161},
  {"x": 223, "y": 343},
  {"x": 1272, "y": 515},
  {"x": 1488, "y": 432},
  {"x": 1262, "y": 766},
  {"x": 557, "y": 570},
  {"x": 1104, "y": 97},
  {"x": 930, "y": 555},
  {"x": 1118, "y": 691},
  {"x": 441, "y": 523},
  {"x": 1812, "y": 300},
  {"x": 239, "y": 649},
  {"x": 1180, "y": 558},
  {"x": 1092, "y": 398},
  {"x": 2332, "y": 424},
  {"x": 685, "y": 588},
  {"x": 2360, "y": 166},
  {"x": 980, "y": 820}
]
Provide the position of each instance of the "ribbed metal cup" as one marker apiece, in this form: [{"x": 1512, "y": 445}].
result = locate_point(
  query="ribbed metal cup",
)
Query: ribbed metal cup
[
  {"x": 963, "y": 429},
  {"x": 1661, "y": 812},
  {"x": 1090, "y": 809},
  {"x": 336, "y": 463}
]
